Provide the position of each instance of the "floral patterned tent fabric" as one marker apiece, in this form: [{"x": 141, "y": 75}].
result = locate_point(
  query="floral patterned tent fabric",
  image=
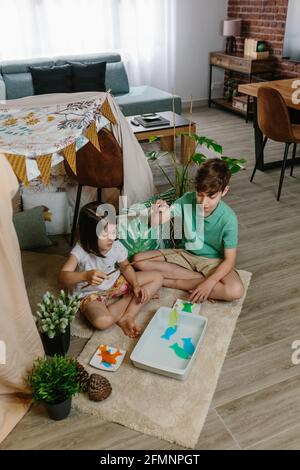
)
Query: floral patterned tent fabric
[
  {"x": 33, "y": 137},
  {"x": 45, "y": 130},
  {"x": 38, "y": 132}
]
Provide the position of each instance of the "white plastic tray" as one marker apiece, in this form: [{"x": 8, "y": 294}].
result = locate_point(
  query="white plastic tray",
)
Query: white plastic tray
[{"x": 154, "y": 354}]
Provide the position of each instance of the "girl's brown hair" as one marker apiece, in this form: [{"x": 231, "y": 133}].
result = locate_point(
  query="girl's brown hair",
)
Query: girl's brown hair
[{"x": 88, "y": 221}]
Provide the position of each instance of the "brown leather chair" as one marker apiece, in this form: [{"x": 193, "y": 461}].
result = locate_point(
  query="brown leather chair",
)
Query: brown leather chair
[
  {"x": 102, "y": 169},
  {"x": 275, "y": 123}
]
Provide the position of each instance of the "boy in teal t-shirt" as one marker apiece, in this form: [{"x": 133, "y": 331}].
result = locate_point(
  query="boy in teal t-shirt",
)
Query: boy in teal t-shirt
[{"x": 208, "y": 232}]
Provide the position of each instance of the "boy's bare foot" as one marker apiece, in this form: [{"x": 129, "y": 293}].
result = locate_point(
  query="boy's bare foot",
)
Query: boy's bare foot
[{"x": 129, "y": 327}]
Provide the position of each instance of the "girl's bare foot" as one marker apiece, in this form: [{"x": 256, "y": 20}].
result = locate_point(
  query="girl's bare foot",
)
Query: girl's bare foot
[{"x": 129, "y": 327}]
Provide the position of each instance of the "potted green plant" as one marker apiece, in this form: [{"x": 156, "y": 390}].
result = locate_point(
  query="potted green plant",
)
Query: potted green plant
[
  {"x": 182, "y": 172},
  {"x": 53, "y": 319},
  {"x": 53, "y": 382},
  {"x": 230, "y": 88}
]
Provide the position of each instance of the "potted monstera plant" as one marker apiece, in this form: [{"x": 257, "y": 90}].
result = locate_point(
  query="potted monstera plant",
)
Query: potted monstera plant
[
  {"x": 205, "y": 148},
  {"x": 53, "y": 319},
  {"x": 53, "y": 382}
]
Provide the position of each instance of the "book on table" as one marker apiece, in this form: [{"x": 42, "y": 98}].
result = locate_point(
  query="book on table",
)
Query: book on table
[{"x": 152, "y": 120}]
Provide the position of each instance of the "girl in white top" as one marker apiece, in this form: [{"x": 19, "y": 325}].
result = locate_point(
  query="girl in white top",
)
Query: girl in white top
[{"x": 91, "y": 271}]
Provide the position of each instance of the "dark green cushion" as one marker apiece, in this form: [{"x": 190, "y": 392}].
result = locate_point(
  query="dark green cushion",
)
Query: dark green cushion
[
  {"x": 31, "y": 228},
  {"x": 88, "y": 77},
  {"x": 55, "y": 79}
]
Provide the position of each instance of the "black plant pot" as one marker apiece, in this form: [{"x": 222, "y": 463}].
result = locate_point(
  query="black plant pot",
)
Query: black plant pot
[
  {"x": 59, "y": 411},
  {"x": 57, "y": 345}
]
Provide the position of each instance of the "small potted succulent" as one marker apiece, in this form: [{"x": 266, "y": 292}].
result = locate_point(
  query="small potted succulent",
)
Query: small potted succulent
[
  {"x": 53, "y": 382},
  {"x": 53, "y": 319}
]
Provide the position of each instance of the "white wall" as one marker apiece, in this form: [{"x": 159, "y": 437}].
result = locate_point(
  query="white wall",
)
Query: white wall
[{"x": 198, "y": 33}]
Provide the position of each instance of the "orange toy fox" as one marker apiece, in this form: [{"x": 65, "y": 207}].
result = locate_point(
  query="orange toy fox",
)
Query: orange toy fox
[{"x": 107, "y": 356}]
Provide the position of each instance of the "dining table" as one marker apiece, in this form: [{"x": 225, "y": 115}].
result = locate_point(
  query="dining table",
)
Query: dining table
[{"x": 290, "y": 91}]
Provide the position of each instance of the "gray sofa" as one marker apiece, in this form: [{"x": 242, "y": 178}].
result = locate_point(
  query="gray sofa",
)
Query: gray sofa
[{"x": 16, "y": 82}]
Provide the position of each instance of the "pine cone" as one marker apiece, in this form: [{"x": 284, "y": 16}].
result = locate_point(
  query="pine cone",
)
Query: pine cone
[
  {"x": 82, "y": 377},
  {"x": 99, "y": 388}
]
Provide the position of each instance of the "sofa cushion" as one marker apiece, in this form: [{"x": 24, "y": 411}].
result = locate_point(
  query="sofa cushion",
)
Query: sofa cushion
[
  {"x": 22, "y": 66},
  {"x": 18, "y": 85},
  {"x": 146, "y": 99},
  {"x": 55, "y": 79},
  {"x": 88, "y": 58},
  {"x": 2, "y": 89},
  {"x": 17, "y": 77},
  {"x": 116, "y": 78},
  {"x": 88, "y": 77}
]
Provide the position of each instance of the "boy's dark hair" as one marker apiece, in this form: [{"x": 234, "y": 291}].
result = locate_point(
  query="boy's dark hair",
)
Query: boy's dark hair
[
  {"x": 88, "y": 221},
  {"x": 212, "y": 177}
]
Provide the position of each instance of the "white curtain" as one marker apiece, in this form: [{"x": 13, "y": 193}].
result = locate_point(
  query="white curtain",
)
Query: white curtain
[
  {"x": 147, "y": 36},
  {"x": 142, "y": 31}
]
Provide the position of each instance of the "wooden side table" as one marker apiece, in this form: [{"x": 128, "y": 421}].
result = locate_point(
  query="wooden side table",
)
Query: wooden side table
[
  {"x": 243, "y": 65},
  {"x": 166, "y": 133}
]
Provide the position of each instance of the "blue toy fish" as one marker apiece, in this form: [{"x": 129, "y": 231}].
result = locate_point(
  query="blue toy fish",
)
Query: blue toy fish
[
  {"x": 170, "y": 331},
  {"x": 188, "y": 346},
  {"x": 106, "y": 364},
  {"x": 179, "y": 351}
]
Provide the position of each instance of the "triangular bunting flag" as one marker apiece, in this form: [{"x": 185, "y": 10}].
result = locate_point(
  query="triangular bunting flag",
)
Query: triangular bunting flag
[
  {"x": 91, "y": 134},
  {"x": 18, "y": 163},
  {"x": 70, "y": 156},
  {"x": 44, "y": 165},
  {"x": 107, "y": 112}
]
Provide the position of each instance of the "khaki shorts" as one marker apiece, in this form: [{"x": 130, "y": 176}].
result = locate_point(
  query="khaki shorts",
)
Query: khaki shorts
[{"x": 187, "y": 260}]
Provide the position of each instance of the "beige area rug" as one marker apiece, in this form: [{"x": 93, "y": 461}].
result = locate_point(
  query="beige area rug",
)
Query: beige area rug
[{"x": 153, "y": 404}]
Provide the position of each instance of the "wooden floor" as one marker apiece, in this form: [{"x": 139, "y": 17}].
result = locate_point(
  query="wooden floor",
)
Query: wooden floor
[{"x": 256, "y": 404}]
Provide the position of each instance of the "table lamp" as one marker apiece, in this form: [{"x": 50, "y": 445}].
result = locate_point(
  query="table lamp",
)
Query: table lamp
[{"x": 231, "y": 29}]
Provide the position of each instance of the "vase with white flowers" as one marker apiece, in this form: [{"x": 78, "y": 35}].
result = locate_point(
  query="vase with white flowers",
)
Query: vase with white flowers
[{"x": 53, "y": 319}]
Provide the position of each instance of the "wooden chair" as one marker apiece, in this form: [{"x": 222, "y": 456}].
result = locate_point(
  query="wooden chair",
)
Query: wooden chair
[
  {"x": 102, "y": 169},
  {"x": 275, "y": 123}
]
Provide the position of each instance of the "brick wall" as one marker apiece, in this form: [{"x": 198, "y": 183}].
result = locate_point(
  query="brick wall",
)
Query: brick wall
[{"x": 265, "y": 20}]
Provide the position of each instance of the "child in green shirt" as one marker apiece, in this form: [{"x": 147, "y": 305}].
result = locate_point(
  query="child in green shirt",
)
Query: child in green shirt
[{"x": 205, "y": 266}]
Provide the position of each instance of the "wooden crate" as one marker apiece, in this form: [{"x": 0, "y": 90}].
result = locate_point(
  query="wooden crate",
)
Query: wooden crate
[{"x": 250, "y": 50}]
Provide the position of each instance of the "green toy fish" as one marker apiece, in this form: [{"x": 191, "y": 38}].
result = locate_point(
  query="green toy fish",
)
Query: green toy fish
[
  {"x": 179, "y": 351},
  {"x": 187, "y": 307}
]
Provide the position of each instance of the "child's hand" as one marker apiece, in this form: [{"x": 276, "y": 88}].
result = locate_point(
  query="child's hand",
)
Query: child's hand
[
  {"x": 95, "y": 277},
  {"x": 160, "y": 205},
  {"x": 140, "y": 294},
  {"x": 203, "y": 291}
]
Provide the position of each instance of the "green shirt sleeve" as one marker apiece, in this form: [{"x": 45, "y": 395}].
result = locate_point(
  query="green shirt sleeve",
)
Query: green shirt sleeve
[{"x": 230, "y": 234}]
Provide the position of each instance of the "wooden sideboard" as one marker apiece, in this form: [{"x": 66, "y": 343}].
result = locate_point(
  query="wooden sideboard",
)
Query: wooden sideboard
[{"x": 240, "y": 64}]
